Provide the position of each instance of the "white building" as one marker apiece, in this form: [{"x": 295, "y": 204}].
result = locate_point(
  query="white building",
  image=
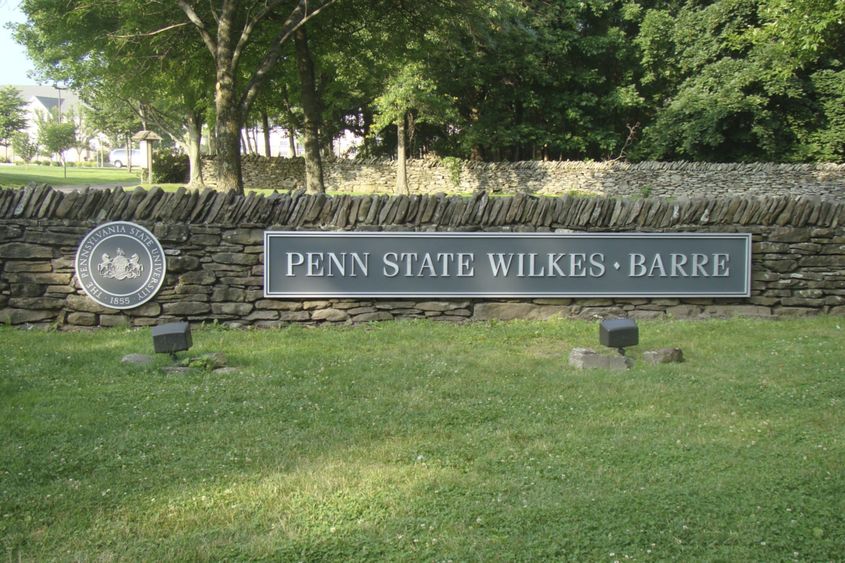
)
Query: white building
[{"x": 47, "y": 100}]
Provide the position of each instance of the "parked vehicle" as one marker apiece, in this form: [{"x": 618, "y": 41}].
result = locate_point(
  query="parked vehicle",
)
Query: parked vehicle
[{"x": 119, "y": 158}]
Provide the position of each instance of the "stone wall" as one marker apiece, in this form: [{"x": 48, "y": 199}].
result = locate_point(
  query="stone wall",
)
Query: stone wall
[
  {"x": 656, "y": 179},
  {"x": 213, "y": 243}
]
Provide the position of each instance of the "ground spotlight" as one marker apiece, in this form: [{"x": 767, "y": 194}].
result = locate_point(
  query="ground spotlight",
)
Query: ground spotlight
[
  {"x": 171, "y": 338},
  {"x": 619, "y": 333}
]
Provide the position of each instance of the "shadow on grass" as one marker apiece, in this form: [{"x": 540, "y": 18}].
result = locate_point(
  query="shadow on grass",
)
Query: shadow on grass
[{"x": 417, "y": 441}]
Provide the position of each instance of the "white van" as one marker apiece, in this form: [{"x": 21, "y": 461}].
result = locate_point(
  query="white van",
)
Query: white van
[{"x": 119, "y": 159}]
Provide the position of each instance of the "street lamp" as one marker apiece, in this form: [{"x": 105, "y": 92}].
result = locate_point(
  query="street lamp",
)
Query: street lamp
[{"x": 59, "y": 90}]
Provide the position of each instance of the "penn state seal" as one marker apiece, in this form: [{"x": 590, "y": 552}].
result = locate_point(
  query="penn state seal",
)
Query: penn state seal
[{"x": 120, "y": 265}]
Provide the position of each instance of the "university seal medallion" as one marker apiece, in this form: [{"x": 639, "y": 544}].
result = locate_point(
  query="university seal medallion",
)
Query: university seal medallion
[{"x": 120, "y": 265}]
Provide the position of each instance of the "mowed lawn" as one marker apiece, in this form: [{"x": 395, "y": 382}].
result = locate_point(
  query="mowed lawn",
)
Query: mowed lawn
[
  {"x": 418, "y": 441},
  {"x": 19, "y": 176}
]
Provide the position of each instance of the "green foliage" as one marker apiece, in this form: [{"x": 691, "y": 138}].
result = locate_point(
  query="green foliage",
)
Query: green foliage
[
  {"x": 453, "y": 166},
  {"x": 724, "y": 80},
  {"x": 170, "y": 166},
  {"x": 25, "y": 148},
  {"x": 12, "y": 114},
  {"x": 419, "y": 441},
  {"x": 412, "y": 91},
  {"x": 744, "y": 80},
  {"x": 827, "y": 140},
  {"x": 56, "y": 137}
]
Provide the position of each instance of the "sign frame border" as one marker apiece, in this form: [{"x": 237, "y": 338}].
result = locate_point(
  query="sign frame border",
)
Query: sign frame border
[{"x": 269, "y": 234}]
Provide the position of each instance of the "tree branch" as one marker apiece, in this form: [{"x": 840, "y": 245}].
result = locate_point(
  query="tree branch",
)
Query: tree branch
[
  {"x": 297, "y": 18},
  {"x": 209, "y": 41},
  {"x": 243, "y": 40},
  {"x": 151, "y": 33}
]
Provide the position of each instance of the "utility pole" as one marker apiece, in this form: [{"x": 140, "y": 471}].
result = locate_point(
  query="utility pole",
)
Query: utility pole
[{"x": 59, "y": 90}]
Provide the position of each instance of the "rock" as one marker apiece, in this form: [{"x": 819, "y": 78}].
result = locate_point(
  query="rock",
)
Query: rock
[
  {"x": 150, "y": 309},
  {"x": 664, "y": 356},
  {"x": 184, "y": 308},
  {"x": 20, "y": 316},
  {"x": 24, "y": 250},
  {"x": 231, "y": 258},
  {"x": 329, "y": 315},
  {"x": 198, "y": 277},
  {"x": 179, "y": 264},
  {"x": 85, "y": 304},
  {"x": 308, "y": 305},
  {"x": 81, "y": 319},
  {"x": 37, "y": 302},
  {"x": 235, "y": 309},
  {"x": 137, "y": 359},
  {"x": 225, "y": 371},
  {"x": 244, "y": 236},
  {"x": 291, "y": 316},
  {"x": 587, "y": 358},
  {"x": 512, "y": 311},
  {"x": 374, "y": 316},
  {"x": 228, "y": 294},
  {"x": 209, "y": 361},
  {"x": 440, "y": 305}
]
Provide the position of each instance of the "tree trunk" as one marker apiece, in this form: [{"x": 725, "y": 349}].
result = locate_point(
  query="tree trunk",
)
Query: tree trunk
[
  {"x": 228, "y": 161},
  {"x": 311, "y": 112},
  {"x": 292, "y": 142},
  {"x": 265, "y": 123},
  {"x": 194, "y": 157},
  {"x": 227, "y": 127},
  {"x": 401, "y": 174}
]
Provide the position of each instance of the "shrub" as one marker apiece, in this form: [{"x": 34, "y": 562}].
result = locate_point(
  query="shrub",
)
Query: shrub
[{"x": 170, "y": 167}]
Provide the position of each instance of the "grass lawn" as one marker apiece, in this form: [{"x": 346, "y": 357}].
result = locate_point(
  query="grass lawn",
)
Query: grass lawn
[
  {"x": 18, "y": 176},
  {"x": 420, "y": 441}
]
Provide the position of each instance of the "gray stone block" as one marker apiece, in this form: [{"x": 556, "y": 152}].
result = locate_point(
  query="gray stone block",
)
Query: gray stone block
[
  {"x": 332, "y": 315},
  {"x": 587, "y": 358},
  {"x": 663, "y": 356}
]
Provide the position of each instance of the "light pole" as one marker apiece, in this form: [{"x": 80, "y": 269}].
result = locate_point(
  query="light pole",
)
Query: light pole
[{"x": 59, "y": 90}]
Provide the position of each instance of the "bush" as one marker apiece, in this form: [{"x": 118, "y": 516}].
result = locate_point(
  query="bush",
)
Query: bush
[{"x": 170, "y": 167}]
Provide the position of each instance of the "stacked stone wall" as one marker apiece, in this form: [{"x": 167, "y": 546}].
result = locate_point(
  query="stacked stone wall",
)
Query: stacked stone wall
[
  {"x": 214, "y": 247},
  {"x": 618, "y": 179}
]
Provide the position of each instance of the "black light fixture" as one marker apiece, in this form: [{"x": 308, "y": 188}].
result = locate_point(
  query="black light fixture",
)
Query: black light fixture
[
  {"x": 619, "y": 333},
  {"x": 171, "y": 338}
]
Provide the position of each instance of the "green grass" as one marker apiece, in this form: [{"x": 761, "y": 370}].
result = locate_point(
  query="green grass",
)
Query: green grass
[
  {"x": 18, "y": 176},
  {"x": 420, "y": 441}
]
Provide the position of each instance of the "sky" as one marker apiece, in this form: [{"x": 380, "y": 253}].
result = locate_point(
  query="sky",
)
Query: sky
[{"x": 15, "y": 64}]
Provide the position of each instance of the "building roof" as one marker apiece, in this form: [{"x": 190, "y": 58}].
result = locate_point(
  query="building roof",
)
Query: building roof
[{"x": 48, "y": 96}]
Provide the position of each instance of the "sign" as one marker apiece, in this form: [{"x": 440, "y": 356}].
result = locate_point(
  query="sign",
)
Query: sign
[
  {"x": 411, "y": 264},
  {"x": 120, "y": 265}
]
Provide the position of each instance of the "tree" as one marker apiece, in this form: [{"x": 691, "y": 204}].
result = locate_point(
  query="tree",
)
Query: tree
[
  {"x": 311, "y": 112},
  {"x": 56, "y": 137},
  {"x": 24, "y": 147},
  {"x": 410, "y": 97},
  {"x": 12, "y": 115},
  {"x": 128, "y": 77},
  {"x": 228, "y": 29},
  {"x": 744, "y": 80}
]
